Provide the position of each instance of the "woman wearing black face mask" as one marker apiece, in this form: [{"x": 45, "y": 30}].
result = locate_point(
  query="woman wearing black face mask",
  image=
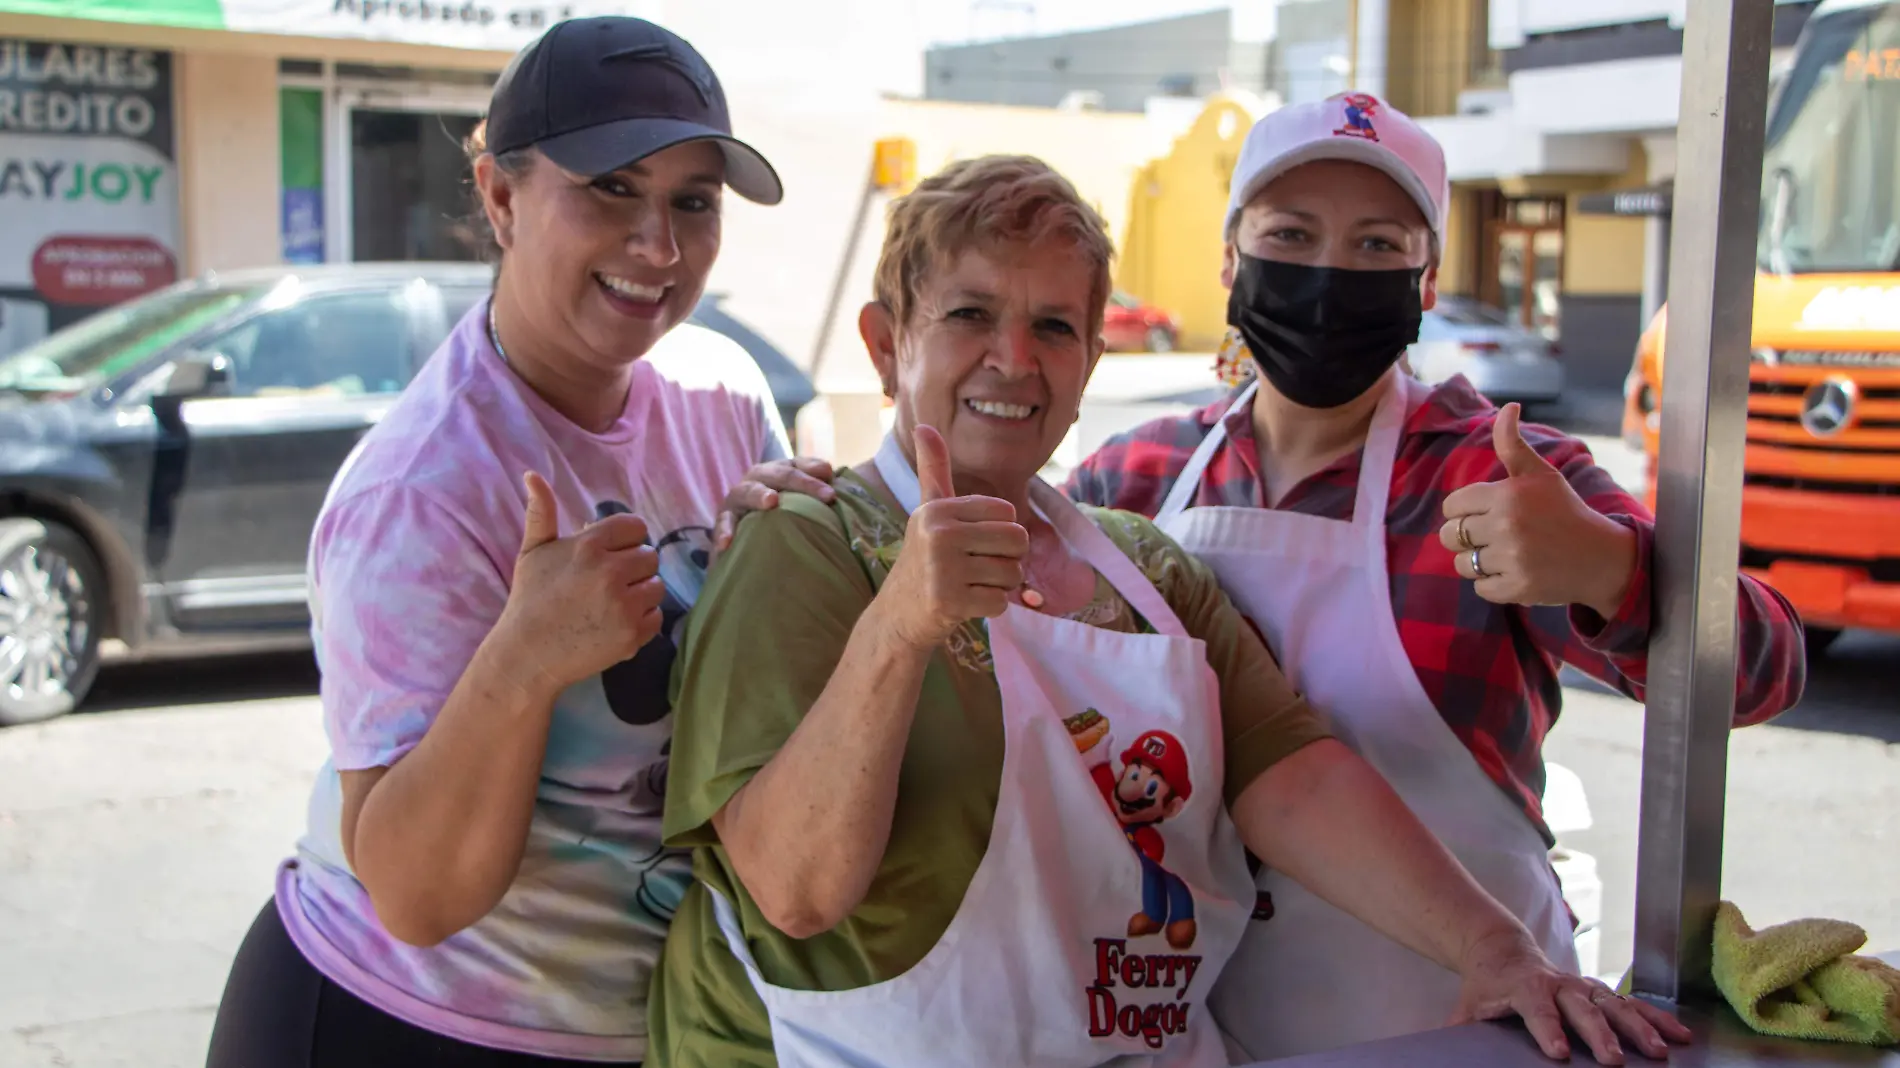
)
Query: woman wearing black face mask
[{"x": 1389, "y": 539}]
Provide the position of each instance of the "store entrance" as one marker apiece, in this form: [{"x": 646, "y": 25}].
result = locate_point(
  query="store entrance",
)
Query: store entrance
[
  {"x": 409, "y": 191},
  {"x": 1521, "y": 262}
]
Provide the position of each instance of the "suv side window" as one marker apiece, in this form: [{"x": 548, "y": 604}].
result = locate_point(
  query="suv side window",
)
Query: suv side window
[{"x": 341, "y": 345}]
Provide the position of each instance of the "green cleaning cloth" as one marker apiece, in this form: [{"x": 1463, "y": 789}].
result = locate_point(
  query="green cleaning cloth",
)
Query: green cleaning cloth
[{"x": 1801, "y": 980}]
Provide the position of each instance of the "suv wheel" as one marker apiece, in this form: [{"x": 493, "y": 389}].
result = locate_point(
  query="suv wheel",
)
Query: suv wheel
[
  {"x": 1160, "y": 339},
  {"x": 51, "y": 587}
]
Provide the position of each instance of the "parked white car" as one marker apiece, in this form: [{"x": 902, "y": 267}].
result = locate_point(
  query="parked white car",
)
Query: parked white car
[{"x": 1504, "y": 361}]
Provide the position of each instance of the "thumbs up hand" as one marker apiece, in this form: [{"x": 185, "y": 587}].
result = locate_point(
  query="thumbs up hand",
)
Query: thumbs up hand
[
  {"x": 580, "y": 604},
  {"x": 1530, "y": 539},
  {"x": 962, "y": 556}
]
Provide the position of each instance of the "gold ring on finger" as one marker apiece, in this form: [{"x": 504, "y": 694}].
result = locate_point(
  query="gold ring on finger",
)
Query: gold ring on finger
[
  {"x": 1464, "y": 539},
  {"x": 1477, "y": 569}
]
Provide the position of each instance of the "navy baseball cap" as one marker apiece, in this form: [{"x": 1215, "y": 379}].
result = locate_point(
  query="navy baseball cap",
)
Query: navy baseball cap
[{"x": 597, "y": 94}]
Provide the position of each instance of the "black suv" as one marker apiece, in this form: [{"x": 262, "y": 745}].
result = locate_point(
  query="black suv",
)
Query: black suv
[{"x": 162, "y": 462}]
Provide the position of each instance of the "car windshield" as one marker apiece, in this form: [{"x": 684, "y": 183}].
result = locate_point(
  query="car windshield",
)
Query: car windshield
[
  {"x": 1830, "y": 201},
  {"x": 94, "y": 349}
]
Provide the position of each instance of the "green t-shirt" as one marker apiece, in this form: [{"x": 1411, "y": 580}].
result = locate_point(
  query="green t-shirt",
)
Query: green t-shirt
[{"x": 764, "y": 637}]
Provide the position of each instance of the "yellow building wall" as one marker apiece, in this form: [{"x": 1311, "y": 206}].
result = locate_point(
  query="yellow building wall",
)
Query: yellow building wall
[
  {"x": 1458, "y": 260},
  {"x": 1428, "y": 57},
  {"x": 1099, "y": 152},
  {"x": 228, "y": 153},
  {"x": 780, "y": 266},
  {"x": 1171, "y": 255},
  {"x": 1603, "y": 254}
]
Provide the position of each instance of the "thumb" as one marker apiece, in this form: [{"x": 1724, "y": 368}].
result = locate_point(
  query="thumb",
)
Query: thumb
[
  {"x": 542, "y": 525},
  {"x": 933, "y": 464},
  {"x": 1508, "y": 439}
]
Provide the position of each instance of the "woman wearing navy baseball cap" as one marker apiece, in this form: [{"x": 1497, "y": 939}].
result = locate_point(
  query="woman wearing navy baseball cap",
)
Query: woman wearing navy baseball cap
[
  {"x": 1421, "y": 563},
  {"x": 496, "y": 579}
]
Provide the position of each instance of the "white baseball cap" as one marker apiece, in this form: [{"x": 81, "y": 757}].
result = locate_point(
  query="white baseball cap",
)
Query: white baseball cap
[{"x": 1357, "y": 127}]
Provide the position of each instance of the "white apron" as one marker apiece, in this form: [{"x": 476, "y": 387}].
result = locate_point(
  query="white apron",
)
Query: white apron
[
  {"x": 1308, "y": 977},
  {"x": 1039, "y": 965}
]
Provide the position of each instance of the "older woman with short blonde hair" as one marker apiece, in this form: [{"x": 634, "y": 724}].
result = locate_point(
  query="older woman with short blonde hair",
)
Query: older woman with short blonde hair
[{"x": 968, "y": 769}]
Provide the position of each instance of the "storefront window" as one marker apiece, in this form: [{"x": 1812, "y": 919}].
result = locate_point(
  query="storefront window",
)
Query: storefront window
[
  {"x": 1522, "y": 271},
  {"x": 88, "y": 183},
  {"x": 301, "y": 124},
  {"x": 409, "y": 195}
]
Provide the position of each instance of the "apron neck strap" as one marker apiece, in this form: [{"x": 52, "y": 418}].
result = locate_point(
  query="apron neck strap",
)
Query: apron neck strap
[
  {"x": 1376, "y": 458},
  {"x": 1181, "y": 496},
  {"x": 1375, "y": 464},
  {"x": 1070, "y": 525},
  {"x": 1106, "y": 558}
]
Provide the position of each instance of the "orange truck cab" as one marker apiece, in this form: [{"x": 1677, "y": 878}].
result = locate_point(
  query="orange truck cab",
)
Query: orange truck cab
[{"x": 1821, "y": 475}]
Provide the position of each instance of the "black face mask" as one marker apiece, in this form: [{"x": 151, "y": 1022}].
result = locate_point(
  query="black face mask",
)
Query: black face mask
[{"x": 1324, "y": 335}]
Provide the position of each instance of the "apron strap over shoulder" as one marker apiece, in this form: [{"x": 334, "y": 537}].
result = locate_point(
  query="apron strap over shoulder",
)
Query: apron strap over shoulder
[
  {"x": 1181, "y": 496},
  {"x": 1106, "y": 557}
]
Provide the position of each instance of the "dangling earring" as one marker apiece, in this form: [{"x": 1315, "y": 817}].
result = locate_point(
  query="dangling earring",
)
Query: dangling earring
[{"x": 1233, "y": 364}]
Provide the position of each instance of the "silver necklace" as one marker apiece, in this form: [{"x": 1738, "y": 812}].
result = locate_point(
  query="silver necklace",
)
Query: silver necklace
[{"x": 494, "y": 334}]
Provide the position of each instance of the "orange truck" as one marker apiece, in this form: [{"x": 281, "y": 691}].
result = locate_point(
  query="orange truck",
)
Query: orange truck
[{"x": 1821, "y": 476}]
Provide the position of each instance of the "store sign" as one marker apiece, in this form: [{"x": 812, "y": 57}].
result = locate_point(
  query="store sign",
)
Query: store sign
[
  {"x": 494, "y": 25},
  {"x": 1874, "y": 65},
  {"x": 88, "y": 181},
  {"x": 1852, "y": 308},
  {"x": 1638, "y": 202},
  {"x": 303, "y": 225}
]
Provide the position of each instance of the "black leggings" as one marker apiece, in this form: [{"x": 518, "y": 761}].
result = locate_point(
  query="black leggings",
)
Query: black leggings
[{"x": 279, "y": 1012}]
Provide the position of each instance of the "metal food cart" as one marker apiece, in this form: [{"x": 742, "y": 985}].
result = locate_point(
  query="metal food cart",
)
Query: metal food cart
[{"x": 1691, "y": 692}]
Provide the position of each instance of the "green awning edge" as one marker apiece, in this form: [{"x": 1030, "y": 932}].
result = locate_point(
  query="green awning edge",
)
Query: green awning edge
[{"x": 186, "y": 14}]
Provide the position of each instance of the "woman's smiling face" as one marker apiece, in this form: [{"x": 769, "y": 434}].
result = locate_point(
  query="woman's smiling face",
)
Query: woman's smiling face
[
  {"x": 997, "y": 348},
  {"x": 607, "y": 265}
]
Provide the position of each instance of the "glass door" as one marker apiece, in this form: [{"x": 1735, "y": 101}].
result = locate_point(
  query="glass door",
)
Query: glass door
[
  {"x": 1546, "y": 290},
  {"x": 1523, "y": 269},
  {"x": 409, "y": 193},
  {"x": 401, "y": 189},
  {"x": 1513, "y": 275}
]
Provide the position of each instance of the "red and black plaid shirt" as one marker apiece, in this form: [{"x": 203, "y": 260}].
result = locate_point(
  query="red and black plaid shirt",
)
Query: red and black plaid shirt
[{"x": 1490, "y": 669}]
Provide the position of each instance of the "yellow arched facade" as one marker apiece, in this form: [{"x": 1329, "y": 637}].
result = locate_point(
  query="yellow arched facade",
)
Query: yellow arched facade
[{"x": 1171, "y": 252}]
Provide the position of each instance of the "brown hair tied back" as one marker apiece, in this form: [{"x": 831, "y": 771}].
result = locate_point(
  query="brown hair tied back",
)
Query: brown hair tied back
[{"x": 474, "y": 229}]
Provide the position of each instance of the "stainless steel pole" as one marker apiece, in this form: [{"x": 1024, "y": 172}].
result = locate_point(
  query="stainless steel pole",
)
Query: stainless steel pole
[{"x": 1698, "y": 499}]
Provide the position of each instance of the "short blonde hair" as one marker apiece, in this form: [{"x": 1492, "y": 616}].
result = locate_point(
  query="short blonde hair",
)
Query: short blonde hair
[{"x": 983, "y": 202}]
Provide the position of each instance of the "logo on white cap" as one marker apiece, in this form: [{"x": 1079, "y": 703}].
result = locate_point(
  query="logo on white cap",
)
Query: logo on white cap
[
  {"x": 1359, "y": 110},
  {"x": 1353, "y": 127}
]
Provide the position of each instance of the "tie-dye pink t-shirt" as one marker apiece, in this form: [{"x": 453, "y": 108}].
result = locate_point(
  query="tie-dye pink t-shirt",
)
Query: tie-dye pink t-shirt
[{"x": 409, "y": 568}]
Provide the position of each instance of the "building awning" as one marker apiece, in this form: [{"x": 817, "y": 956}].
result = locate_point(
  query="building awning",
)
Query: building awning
[
  {"x": 487, "y": 25},
  {"x": 1654, "y": 200}
]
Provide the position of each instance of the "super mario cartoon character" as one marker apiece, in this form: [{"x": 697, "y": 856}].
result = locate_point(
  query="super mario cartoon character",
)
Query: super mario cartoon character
[
  {"x": 1153, "y": 785},
  {"x": 1360, "y": 107}
]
